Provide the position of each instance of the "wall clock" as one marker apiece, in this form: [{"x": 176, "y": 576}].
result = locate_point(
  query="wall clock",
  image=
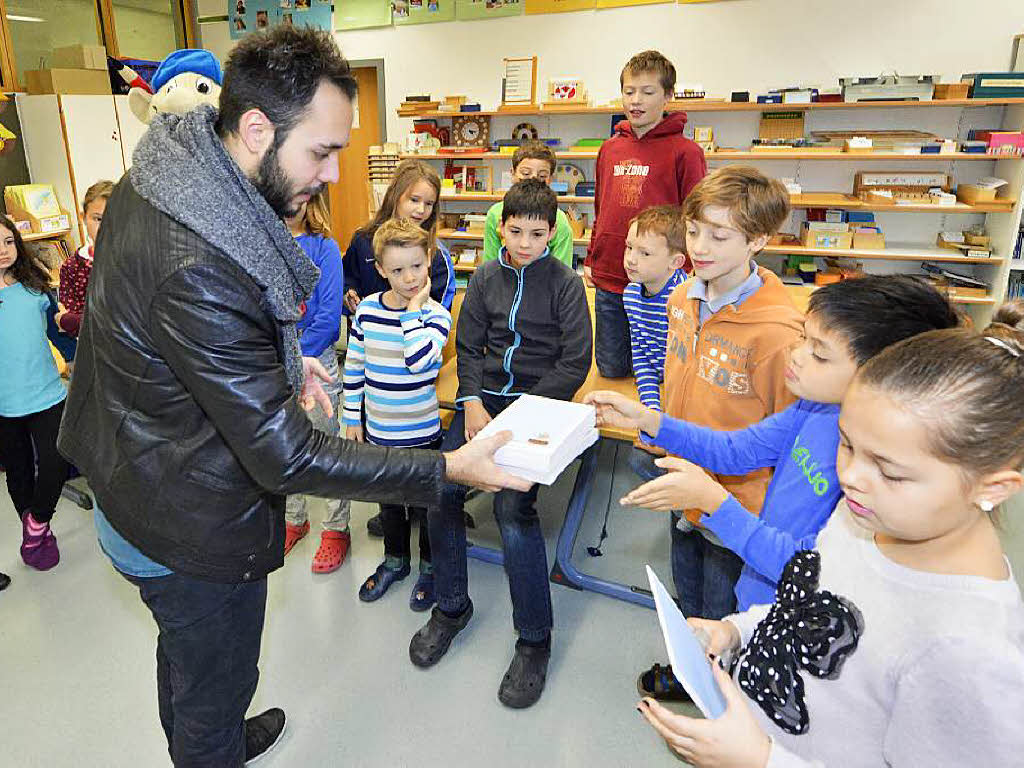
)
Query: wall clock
[{"x": 471, "y": 131}]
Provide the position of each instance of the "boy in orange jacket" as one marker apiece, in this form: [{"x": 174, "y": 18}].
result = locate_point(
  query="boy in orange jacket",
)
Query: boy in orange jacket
[
  {"x": 647, "y": 162},
  {"x": 729, "y": 331}
]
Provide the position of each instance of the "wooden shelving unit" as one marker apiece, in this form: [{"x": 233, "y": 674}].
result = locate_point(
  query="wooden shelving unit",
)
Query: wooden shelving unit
[
  {"x": 805, "y": 200},
  {"x": 703, "y": 105},
  {"x": 742, "y": 154},
  {"x": 35, "y": 236},
  {"x": 1002, "y": 217}
]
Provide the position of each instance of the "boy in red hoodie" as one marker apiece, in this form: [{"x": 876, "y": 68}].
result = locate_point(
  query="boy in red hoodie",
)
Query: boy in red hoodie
[{"x": 647, "y": 162}]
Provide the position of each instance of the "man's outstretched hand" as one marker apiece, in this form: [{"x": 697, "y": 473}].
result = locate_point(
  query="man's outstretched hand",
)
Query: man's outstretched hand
[{"x": 473, "y": 464}]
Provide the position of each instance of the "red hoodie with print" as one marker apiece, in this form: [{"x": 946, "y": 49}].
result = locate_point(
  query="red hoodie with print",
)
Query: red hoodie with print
[{"x": 659, "y": 168}]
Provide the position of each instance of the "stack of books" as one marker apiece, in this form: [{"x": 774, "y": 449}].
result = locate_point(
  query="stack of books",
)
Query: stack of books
[{"x": 547, "y": 436}]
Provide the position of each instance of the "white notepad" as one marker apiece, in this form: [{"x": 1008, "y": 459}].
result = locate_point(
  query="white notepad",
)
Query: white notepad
[
  {"x": 547, "y": 436},
  {"x": 690, "y": 664}
]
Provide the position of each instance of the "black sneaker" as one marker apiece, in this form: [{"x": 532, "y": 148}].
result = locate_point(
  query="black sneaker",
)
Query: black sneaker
[
  {"x": 524, "y": 682},
  {"x": 5, "y": 581},
  {"x": 432, "y": 641},
  {"x": 262, "y": 734}
]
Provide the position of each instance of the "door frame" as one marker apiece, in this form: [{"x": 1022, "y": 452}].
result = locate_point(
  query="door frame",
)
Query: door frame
[{"x": 378, "y": 66}]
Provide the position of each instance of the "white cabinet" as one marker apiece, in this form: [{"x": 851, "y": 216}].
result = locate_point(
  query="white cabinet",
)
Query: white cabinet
[
  {"x": 71, "y": 142},
  {"x": 131, "y": 129}
]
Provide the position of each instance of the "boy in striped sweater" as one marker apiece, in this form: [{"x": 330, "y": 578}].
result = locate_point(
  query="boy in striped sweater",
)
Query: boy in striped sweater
[
  {"x": 655, "y": 263},
  {"x": 394, "y": 355}
]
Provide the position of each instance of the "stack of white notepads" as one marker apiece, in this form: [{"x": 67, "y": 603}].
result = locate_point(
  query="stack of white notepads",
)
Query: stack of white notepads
[{"x": 548, "y": 435}]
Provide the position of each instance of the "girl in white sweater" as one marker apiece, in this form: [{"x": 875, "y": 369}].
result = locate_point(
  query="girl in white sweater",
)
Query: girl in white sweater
[{"x": 900, "y": 642}]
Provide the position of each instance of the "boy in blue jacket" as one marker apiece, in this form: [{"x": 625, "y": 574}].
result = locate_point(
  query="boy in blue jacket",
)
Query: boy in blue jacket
[{"x": 847, "y": 323}]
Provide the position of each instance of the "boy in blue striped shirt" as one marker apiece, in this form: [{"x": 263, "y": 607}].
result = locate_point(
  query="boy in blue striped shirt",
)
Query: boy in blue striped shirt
[
  {"x": 394, "y": 355},
  {"x": 655, "y": 263}
]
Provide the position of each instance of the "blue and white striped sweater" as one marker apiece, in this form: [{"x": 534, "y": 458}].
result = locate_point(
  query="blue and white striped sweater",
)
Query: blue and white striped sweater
[
  {"x": 648, "y": 332},
  {"x": 390, "y": 368}
]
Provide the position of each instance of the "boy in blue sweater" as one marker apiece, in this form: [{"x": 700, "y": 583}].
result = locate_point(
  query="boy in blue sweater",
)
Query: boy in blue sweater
[
  {"x": 847, "y": 323},
  {"x": 655, "y": 263}
]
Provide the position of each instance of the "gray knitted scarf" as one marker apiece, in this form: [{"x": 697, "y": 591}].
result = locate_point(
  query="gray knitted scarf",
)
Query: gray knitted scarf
[{"x": 182, "y": 169}]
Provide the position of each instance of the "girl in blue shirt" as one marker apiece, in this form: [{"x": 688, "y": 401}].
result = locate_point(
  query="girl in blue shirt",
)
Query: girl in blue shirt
[
  {"x": 847, "y": 324},
  {"x": 31, "y": 399},
  {"x": 413, "y": 194},
  {"x": 319, "y": 330}
]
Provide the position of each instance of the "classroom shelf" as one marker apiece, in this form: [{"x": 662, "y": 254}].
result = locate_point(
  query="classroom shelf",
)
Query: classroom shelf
[
  {"x": 471, "y": 197},
  {"x": 742, "y": 154},
  {"x": 805, "y": 200},
  {"x": 852, "y": 203},
  {"x": 45, "y": 235},
  {"x": 894, "y": 252},
  {"x": 699, "y": 105}
]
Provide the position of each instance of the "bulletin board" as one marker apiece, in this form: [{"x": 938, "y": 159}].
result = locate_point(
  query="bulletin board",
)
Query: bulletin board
[
  {"x": 558, "y": 6},
  {"x": 422, "y": 11},
  {"x": 468, "y": 10},
  {"x": 245, "y": 16},
  {"x": 361, "y": 14}
]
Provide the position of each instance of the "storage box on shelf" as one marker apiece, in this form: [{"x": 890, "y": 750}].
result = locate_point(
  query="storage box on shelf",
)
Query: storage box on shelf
[{"x": 1001, "y": 212}]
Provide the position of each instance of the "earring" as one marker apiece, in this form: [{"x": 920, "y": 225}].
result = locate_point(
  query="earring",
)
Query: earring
[{"x": 986, "y": 505}]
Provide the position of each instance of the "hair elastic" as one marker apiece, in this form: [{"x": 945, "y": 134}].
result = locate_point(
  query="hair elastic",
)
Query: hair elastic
[{"x": 1003, "y": 345}]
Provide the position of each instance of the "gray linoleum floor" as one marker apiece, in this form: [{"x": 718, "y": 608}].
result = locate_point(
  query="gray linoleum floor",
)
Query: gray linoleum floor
[{"x": 77, "y": 647}]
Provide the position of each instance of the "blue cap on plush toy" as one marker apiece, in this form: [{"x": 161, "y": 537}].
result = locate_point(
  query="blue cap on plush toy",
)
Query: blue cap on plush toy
[{"x": 187, "y": 60}]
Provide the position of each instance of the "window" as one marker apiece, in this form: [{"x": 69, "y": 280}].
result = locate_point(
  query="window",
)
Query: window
[
  {"x": 38, "y": 26},
  {"x": 145, "y": 28}
]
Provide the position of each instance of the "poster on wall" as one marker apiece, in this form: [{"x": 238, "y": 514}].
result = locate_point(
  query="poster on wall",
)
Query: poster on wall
[
  {"x": 422, "y": 11},
  {"x": 362, "y": 14},
  {"x": 557, "y": 6},
  {"x": 245, "y": 16},
  {"x": 467, "y": 10}
]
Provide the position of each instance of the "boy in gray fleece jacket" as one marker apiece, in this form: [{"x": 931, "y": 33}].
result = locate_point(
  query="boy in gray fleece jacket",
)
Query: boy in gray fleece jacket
[{"x": 524, "y": 328}]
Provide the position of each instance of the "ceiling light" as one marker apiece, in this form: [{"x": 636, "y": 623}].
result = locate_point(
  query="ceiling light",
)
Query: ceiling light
[{"x": 13, "y": 17}]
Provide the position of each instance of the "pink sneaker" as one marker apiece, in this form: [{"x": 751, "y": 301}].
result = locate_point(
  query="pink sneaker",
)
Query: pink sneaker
[{"x": 39, "y": 548}]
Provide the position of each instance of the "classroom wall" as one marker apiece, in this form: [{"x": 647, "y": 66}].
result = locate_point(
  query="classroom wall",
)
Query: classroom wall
[{"x": 731, "y": 45}]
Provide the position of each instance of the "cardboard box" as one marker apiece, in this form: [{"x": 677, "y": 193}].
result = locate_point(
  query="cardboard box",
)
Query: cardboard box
[
  {"x": 868, "y": 241},
  {"x": 945, "y": 91},
  {"x": 79, "y": 57},
  {"x": 972, "y": 193},
  {"x": 88, "y": 81},
  {"x": 825, "y": 238}
]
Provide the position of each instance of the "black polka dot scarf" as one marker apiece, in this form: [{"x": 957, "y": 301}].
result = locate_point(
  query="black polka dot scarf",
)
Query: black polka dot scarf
[{"x": 805, "y": 629}]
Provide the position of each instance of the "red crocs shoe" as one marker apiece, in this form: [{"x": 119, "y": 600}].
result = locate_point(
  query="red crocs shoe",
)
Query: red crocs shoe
[
  {"x": 293, "y": 534},
  {"x": 333, "y": 549}
]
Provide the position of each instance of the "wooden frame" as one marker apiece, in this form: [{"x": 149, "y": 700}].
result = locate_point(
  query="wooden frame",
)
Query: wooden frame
[{"x": 519, "y": 103}]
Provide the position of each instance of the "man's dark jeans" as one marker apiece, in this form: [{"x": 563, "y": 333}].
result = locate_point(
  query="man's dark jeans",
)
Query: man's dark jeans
[{"x": 207, "y": 656}]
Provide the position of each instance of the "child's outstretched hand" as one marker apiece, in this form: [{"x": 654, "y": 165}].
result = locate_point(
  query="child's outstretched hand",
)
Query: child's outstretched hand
[
  {"x": 685, "y": 486},
  {"x": 734, "y": 740},
  {"x": 313, "y": 393},
  {"x": 722, "y": 635},
  {"x": 617, "y": 410},
  {"x": 416, "y": 302},
  {"x": 351, "y": 300}
]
